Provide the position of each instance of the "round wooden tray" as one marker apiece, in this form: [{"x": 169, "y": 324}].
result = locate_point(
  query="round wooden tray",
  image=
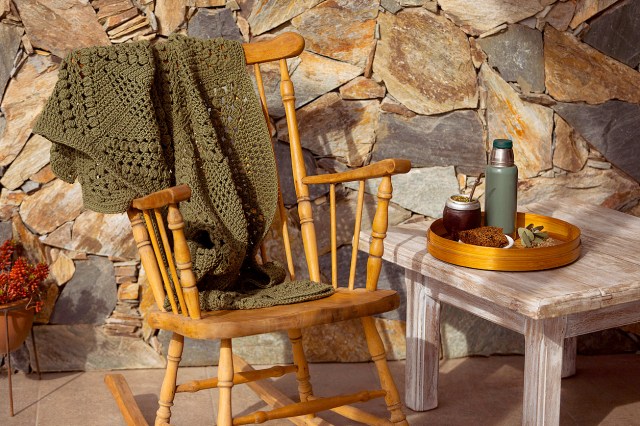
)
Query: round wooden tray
[{"x": 515, "y": 258}]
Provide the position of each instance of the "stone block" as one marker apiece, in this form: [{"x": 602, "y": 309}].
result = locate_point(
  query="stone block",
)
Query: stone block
[
  {"x": 267, "y": 14},
  {"x": 209, "y": 24},
  {"x": 352, "y": 26},
  {"x": 334, "y": 127},
  {"x": 128, "y": 291},
  {"x": 452, "y": 139},
  {"x": 611, "y": 128},
  {"x": 530, "y": 126},
  {"x": 362, "y": 88},
  {"x": 615, "y": 33},
  {"x": 6, "y": 233},
  {"x": 90, "y": 296},
  {"x": 585, "y": 9},
  {"x": 10, "y": 36},
  {"x": 126, "y": 270},
  {"x": 170, "y": 15},
  {"x": 478, "y": 17},
  {"x": 607, "y": 188},
  {"x": 575, "y": 72},
  {"x": 62, "y": 269},
  {"x": 96, "y": 233},
  {"x": 23, "y": 100},
  {"x": 345, "y": 341},
  {"x": 439, "y": 75},
  {"x": 44, "y": 175},
  {"x": 55, "y": 204},
  {"x": 517, "y": 54},
  {"x": 61, "y": 26},
  {"x": 33, "y": 247},
  {"x": 571, "y": 149},
  {"x": 84, "y": 347}
]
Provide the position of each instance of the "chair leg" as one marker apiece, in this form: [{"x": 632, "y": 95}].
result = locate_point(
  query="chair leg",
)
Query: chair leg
[
  {"x": 168, "y": 390},
  {"x": 379, "y": 357},
  {"x": 299, "y": 359},
  {"x": 225, "y": 383}
]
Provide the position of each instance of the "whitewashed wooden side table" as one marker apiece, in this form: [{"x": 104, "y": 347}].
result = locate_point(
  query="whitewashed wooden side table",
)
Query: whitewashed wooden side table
[{"x": 550, "y": 308}]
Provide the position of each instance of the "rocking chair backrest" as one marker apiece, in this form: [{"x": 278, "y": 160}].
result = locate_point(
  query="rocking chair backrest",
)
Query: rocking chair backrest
[{"x": 162, "y": 260}]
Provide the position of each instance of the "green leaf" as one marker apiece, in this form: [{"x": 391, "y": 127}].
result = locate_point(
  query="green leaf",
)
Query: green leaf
[
  {"x": 524, "y": 239},
  {"x": 542, "y": 235},
  {"x": 537, "y": 228},
  {"x": 529, "y": 234}
]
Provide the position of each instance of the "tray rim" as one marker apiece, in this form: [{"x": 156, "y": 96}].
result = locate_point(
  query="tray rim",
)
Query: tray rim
[{"x": 498, "y": 259}]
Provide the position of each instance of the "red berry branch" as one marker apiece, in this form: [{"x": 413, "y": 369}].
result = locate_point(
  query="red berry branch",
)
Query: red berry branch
[{"x": 20, "y": 279}]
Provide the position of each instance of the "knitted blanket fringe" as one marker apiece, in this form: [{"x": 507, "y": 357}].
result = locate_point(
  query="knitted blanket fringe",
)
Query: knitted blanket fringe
[{"x": 131, "y": 119}]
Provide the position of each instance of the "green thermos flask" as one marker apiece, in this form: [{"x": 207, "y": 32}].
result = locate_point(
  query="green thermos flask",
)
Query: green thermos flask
[{"x": 501, "y": 192}]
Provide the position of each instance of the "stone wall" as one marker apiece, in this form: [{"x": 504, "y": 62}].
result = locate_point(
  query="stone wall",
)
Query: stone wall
[{"x": 431, "y": 81}]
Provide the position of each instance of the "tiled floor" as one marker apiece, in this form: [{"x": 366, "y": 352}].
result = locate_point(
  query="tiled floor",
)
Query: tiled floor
[{"x": 473, "y": 391}]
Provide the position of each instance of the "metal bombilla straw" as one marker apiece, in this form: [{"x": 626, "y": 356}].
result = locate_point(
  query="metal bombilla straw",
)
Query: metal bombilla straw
[{"x": 473, "y": 188}]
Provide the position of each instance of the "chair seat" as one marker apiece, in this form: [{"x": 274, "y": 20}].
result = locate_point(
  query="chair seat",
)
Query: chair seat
[{"x": 344, "y": 304}]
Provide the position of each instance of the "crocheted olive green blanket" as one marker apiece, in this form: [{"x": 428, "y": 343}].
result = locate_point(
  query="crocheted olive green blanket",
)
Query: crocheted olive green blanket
[{"x": 131, "y": 119}]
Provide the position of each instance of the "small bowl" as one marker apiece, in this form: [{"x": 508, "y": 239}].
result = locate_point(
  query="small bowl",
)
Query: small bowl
[{"x": 510, "y": 242}]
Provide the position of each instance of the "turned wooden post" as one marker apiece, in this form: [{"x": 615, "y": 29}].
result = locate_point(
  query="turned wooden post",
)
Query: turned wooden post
[
  {"x": 168, "y": 389},
  {"x": 378, "y": 233},
  {"x": 297, "y": 160},
  {"x": 183, "y": 261}
]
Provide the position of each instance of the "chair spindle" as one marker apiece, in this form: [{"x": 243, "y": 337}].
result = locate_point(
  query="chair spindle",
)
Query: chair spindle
[
  {"x": 163, "y": 270},
  {"x": 333, "y": 232},
  {"x": 356, "y": 235},
  {"x": 169, "y": 256},
  {"x": 147, "y": 256}
]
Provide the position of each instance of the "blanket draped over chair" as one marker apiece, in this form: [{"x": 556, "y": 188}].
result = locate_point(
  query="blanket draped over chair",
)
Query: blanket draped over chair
[{"x": 131, "y": 119}]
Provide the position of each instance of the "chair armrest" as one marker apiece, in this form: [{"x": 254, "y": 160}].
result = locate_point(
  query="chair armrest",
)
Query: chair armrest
[
  {"x": 391, "y": 166},
  {"x": 162, "y": 198}
]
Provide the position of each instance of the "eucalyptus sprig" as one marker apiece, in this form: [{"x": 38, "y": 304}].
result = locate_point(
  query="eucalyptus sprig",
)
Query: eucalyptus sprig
[{"x": 531, "y": 236}]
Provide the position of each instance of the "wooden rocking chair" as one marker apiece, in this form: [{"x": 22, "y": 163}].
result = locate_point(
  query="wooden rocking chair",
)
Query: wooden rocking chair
[{"x": 344, "y": 304}]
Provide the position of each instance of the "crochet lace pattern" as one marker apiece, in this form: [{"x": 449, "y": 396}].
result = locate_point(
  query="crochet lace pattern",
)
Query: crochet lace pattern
[{"x": 130, "y": 119}]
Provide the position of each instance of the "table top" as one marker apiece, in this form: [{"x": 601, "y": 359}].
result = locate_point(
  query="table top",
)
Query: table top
[{"x": 606, "y": 273}]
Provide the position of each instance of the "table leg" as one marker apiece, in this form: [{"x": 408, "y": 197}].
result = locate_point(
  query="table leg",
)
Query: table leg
[
  {"x": 423, "y": 345},
  {"x": 569, "y": 356},
  {"x": 544, "y": 340}
]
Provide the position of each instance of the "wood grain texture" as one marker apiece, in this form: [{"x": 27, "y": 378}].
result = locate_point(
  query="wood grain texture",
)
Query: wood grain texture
[
  {"x": 125, "y": 400},
  {"x": 569, "y": 353},
  {"x": 286, "y": 45},
  {"x": 388, "y": 167},
  {"x": 274, "y": 397},
  {"x": 340, "y": 306},
  {"x": 162, "y": 198},
  {"x": 542, "y": 371},
  {"x": 423, "y": 346},
  {"x": 572, "y": 288},
  {"x": 600, "y": 290},
  {"x": 168, "y": 389},
  {"x": 512, "y": 259},
  {"x": 167, "y": 261}
]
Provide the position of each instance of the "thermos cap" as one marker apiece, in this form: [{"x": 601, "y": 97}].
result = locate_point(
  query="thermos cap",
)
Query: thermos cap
[
  {"x": 502, "y": 153},
  {"x": 502, "y": 143}
]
